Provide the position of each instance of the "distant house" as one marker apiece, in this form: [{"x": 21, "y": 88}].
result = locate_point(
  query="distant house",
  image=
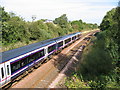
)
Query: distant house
[{"x": 48, "y": 21}]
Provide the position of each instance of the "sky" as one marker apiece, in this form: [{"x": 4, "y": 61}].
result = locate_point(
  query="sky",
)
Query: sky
[{"x": 90, "y": 11}]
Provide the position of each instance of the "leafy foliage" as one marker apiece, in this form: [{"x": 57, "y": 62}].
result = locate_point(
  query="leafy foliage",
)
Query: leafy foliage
[
  {"x": 100, "y": 67},
  {"x": 75, "y": 82},
  {"x": 112, "y": 33},
  {"x": 62, "y": 21},
  {"x": 16, "y": 30},
  {"x": 79, "y": 25},
  {"x": 98, "y": 61}
]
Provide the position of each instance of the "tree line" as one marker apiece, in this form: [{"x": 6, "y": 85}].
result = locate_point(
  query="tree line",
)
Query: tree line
[{"x": 16, "y": 30}]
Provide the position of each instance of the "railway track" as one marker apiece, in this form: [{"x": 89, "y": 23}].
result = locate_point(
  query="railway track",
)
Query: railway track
[{"x": 47, "y": 72}]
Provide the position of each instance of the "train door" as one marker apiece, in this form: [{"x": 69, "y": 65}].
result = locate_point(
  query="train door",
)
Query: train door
[
  {"x": 46, "y": 51},
  {"x": 8, "y": 71},
  {"x": 70, "y": 40},
  {"x": 63, "y": 43},
  {"x": 2, "y": 74},
  {"x": 56, "y": 47}
]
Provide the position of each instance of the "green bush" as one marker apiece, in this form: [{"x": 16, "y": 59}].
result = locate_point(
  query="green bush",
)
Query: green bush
[{"x": 97, "y": 61}]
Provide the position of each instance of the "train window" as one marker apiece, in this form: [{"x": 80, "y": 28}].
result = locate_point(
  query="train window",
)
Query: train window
[
  {"x": 26, "y": 61},
  {"x": 31, "y": 58},
  {"x": 75, "y": 37},
  {"x": 51, "y": 48},
  {"x": 12, "y": 68},
  {"x": 15, "y": 66},
  {"x": 36, "y": 55},
  {"x": 2, "y": 72},
  {"x": 18, "y": 65},
  {"x": 8, "y": 72},
  {"x": 72, "y": 38},
  {"x": 60, "y": 44},
  {"x": 68, "y": 40},
  {"x": 22, "y": 63},
  {"x": 41, "y": 53}
]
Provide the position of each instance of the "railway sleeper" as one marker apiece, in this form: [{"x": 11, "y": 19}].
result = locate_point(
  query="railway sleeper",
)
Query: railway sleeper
[{"x": 36, "y": 66}]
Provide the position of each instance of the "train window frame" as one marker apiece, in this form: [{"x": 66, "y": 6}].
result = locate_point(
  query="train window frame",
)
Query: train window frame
[
  {"x": 31, "y": 58},
  {"x": 75, "y": 37},
  {"x": 18, "y": 65},
  {"x": 12, "y": 67},
  {"x": 8, "y": 70},
  {"x": 24, "y": 61},
  {"x": 36, "y": 55},
  {"x": 41, "y": 53},
  {"x": 67, "y": 40},
  {"x": 72, "y": 38},
  {"x": 51, "y": 48},
  {"x": 15, "y": 66},
  {"x": 59, "y": 44},
  {"x": 2, "y": 73}
]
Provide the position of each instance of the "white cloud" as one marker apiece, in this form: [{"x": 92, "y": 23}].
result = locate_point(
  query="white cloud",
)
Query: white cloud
[{"x": 87, "y": 10}]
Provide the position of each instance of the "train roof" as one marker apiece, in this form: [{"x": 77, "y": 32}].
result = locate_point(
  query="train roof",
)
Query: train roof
[
  {"x": 78, "y": 33},
  {"x": 7, "y": 55},
  {"x": 64, "y": 37}
]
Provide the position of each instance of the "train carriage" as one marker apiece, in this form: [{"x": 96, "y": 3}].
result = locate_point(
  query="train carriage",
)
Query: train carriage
[{"x": 15, "y": 62}]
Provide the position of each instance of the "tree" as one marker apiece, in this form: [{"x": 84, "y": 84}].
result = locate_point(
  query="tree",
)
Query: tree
[
  {"x": 33, "y": 17},
  {"x": 4, "y": 16},
  {"x": 62, "y": 21}
]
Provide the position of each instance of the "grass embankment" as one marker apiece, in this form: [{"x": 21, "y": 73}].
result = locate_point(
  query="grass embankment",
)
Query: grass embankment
[{"x": 96, "y": 69}]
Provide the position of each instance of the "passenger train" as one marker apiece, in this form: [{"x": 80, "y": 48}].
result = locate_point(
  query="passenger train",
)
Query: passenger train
[{"x": 17, "y": 61}]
